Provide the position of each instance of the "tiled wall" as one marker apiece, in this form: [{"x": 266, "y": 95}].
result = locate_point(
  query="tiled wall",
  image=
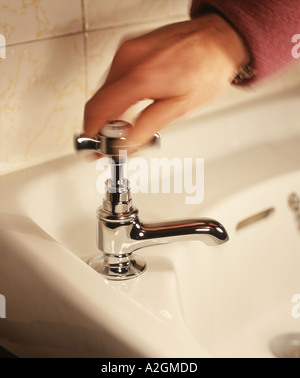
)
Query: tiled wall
[{"x": 57, "y": 53}]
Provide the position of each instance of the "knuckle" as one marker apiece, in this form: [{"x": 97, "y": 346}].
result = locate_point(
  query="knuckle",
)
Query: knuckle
[{"x": 129, "y": 47}]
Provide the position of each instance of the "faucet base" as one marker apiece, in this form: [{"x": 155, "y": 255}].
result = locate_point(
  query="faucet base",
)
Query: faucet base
[{"x": 118, "y": 268}]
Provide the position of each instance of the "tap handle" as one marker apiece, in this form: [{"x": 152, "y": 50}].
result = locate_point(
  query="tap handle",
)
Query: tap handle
[
  {"x": 85, "y": 143},
  {"x": 110, "y": 140}
]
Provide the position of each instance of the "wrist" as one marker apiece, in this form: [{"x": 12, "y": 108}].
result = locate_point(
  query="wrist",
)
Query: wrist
[{"x": 232, "y": 49}]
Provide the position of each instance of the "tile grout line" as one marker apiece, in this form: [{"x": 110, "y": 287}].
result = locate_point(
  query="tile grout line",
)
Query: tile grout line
[
  {"x": 44, "y": 39},
  {"x": 85, "y": 49},
  {"x": 92, "y": 30}
]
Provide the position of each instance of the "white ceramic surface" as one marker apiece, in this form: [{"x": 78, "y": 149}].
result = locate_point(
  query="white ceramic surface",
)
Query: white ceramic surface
[{"x": 193, "y": 300}]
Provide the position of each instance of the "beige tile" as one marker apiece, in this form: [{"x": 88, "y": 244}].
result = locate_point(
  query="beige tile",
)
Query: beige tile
[
  {"x": 101, "y": 46},
  {"x": 26, "y": 20},
  {"x": 106, "y": 13},
  {"x": 42, "y": 97}
]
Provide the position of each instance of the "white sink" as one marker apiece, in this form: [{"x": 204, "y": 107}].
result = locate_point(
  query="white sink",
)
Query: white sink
[{"x": 193, "y": 300}]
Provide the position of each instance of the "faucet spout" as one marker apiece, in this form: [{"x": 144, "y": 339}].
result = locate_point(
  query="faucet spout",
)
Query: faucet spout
[
  {"x": 121, "y": 234},
  {"x": 207, "y": 230}
]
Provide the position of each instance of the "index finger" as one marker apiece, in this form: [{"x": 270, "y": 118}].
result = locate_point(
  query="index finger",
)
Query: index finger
[{"x": 108, "y": 103}]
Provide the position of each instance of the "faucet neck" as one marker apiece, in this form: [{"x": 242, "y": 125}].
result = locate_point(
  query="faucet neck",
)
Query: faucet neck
[{"x": 117, "y": 198}]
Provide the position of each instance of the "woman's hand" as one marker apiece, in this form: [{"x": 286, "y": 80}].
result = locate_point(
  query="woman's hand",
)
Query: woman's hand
[{"x": 179, "y": 67}]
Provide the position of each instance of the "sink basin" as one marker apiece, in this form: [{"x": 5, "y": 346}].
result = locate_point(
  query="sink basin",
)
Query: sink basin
[{"x": 193, "y": 300}]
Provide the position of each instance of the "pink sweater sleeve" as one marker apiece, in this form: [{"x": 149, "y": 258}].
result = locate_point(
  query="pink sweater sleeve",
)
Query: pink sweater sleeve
[{"x": 266, "y": 26}]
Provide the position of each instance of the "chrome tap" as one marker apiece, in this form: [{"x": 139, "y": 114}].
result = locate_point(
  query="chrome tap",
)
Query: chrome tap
[{"x": 119, "y": 230}]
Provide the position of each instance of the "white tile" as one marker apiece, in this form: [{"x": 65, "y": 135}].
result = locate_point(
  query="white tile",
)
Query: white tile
[
  {"x": 180, "y": 8},
  {"x": 41, "y": 99},
  {"x": 26, "y": 20},
  {"x": 106, "y": 13}
]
